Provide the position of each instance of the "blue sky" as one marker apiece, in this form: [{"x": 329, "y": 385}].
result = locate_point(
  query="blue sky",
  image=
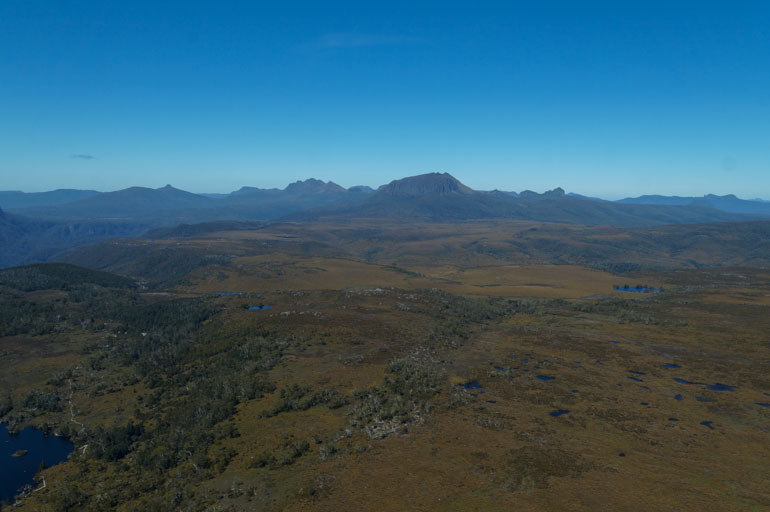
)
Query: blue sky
[{"x": 601, "y": 98}]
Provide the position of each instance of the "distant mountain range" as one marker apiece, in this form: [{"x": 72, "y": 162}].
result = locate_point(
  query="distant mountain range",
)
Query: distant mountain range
[
  {"x": 441, "y": 197},
  {"x": 36, "y": 226},
  {"x": 728, "y": 203},
  {"x": 168, "y": 206},
  {"x": 250, "y": 203},
  {"x": 16, "y": 199}
]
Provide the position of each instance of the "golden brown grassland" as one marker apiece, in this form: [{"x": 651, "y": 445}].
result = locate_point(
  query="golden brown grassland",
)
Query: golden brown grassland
[{"x": 420, "y": 378}]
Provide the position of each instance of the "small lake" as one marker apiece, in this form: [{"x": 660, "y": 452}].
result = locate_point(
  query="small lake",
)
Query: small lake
[
  {"x": 683, "y": 381},
  {"x": 637, "y": 289},
  {"x": 16, "y": 472},
  {"x": 258, "y": 308},
  {"x": 721, "y": 387}
]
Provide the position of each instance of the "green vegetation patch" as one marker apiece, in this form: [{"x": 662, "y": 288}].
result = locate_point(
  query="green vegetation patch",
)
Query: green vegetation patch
[{"x": 59, "y": 276}]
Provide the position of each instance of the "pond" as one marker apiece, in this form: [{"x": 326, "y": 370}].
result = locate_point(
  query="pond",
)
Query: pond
[
  {"x": 671, "y": 366},
  {"x": 637, "y": 289},
  {"x": 720, "y": 387},
  {"x": 683, "y": 381},
  {"x": 258, "y": 308},
  {"x": 18, "y": 471},
  {"x": 713, "y": 387},
  {"x": 545, "y": 377},
  {"x": 558, "y": 412}
]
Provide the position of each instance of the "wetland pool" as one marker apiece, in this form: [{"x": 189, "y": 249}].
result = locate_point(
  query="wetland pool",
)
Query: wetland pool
[{"x": 21, "y": 455}]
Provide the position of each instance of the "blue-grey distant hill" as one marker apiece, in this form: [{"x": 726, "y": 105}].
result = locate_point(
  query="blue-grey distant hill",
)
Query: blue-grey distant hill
[
  {"x": 130, "y": 203},
  {"x": 169, "y": 206},
  {"x": 728, "y": 203},
  {"x": 10, "y": 199}
]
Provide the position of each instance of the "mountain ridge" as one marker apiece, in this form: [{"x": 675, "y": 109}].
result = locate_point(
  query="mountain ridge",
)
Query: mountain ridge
[
  {"x": 729, "y": 202},
  {"x": 441, "y": 197},
  {"x": 37, "y": 233}
]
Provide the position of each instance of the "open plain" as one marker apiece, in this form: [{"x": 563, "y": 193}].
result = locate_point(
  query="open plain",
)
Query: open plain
[{"x": 284, "y": 368}]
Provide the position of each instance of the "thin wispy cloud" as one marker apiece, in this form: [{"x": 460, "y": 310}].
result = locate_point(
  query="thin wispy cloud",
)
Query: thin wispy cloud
[
  {"x": 354, "y": 40},
  {"x": 83, "y": 157}
]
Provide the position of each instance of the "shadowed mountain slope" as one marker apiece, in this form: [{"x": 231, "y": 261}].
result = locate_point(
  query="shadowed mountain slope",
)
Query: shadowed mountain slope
[{"x": 24, "y": 240}]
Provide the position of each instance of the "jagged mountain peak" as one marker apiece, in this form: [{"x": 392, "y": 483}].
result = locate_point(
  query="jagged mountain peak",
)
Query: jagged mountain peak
[
  {"x": 557, "y": 192},
  {"x": 313, "y": 186},
  {"x": 550, "y": 194}
]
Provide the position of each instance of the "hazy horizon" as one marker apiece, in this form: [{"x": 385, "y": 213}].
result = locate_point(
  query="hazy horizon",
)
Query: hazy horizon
[
  {"x": 602, "y": 99},
  {"x": 375, "y": 187}
]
